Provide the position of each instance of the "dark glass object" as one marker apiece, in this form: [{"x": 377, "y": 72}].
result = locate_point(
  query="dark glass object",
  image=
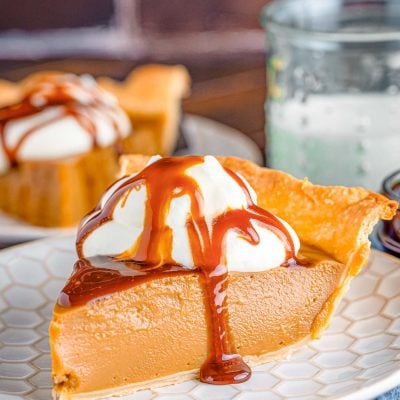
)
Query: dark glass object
[{"x": 389, "y": 234}]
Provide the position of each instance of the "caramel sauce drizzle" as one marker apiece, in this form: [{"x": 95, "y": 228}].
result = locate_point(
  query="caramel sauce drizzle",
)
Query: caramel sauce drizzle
[
  {"x": 51, "y": 91},
  {"x": 150, "y": 257},
  {"x": 99, "y": 276}
]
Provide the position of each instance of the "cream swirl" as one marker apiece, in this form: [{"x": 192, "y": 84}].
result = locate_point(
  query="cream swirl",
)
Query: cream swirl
[
  {"x": 59, "y": 116},
  {"x": 219, "y": 192}
]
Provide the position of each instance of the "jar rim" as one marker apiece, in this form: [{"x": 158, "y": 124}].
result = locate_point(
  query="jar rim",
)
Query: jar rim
[
  {"x": 271, "y": 23},
  {"x": 389, "y": 182}
]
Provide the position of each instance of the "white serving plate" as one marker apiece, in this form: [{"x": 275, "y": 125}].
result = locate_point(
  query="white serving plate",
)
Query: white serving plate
[
  {"x": 357, "y": 358},
  {"x": 202, "y": 135}
]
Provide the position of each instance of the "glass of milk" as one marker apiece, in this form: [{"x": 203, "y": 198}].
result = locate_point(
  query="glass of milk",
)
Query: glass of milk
[{"x": 333, "y": 107}]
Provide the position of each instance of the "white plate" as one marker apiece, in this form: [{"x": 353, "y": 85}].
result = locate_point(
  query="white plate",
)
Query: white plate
[
  {"x": 202, "y": 135},
  {"x": 205, "y": 136},
  {"x": 357, "y": 358},
  {"x": 14, "y": 231}
]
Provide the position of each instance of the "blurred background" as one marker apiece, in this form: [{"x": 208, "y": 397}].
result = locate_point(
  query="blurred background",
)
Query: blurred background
[
  {"x": 334, "y": 90},
  {"x": 333, "y": 72},
  {"x": 221, "y": 43}
]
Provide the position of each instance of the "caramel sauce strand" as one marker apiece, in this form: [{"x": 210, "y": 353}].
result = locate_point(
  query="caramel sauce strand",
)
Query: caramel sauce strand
[
  {"x": 85, "y": 122},
  {"x": 6, "y": 149},
  {"x": 112, "y": 119},
  {"x": 14, "y": 152},
  {"x": 7, "y": 114},
  {"x": 265, "y": 216},
  {"x": 94, "y": 278},
  {"x": 223, "y": 365}
]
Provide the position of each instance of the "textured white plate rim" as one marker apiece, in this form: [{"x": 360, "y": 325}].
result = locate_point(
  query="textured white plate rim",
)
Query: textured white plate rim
[
  {"x": 26, "y": 232},
  {"x": 235, "y": 143},
  {"x": 376, "y": 389},
  {"x": 15, "y": 247},
  {"x": 384, "y": 385},
  {"x": 368, "y": 392}
]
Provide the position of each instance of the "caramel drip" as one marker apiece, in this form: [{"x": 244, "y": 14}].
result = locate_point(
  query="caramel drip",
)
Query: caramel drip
[
  {"x": 165, "y": 180},
  {"x": 55, "y": 91},
  {"x": 99, "y": 276}
]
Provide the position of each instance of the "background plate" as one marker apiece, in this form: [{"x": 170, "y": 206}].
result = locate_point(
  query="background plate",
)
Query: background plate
[
  {"x": 14, "y": 231},
  {"x": 202, "y": 136},
  {"x": 357, "y": 358}
]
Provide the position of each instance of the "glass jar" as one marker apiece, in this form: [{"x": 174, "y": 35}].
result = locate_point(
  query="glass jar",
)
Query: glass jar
[
  {"x": 333, "y": 108},
  {"x": 389, "y": 232}
]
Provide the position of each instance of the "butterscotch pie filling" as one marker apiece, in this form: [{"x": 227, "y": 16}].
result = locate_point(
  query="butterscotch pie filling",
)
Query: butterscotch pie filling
[{"x": 182, "y": 269}]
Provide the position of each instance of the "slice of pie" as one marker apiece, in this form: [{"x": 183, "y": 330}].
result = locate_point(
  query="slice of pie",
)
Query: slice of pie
[
  {"x": 59, "y": 146},
  {"x": 151, "y": 95},
  {"x": 61, "y": 136},
  {"x": 196, "y": 267}
]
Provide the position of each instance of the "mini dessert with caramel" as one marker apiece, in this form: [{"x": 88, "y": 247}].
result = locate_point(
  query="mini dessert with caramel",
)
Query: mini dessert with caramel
[
  {"x": 59, "y": 146},
  {"x": 61, "y": 136},
  {"x": 198, "y": 266}
]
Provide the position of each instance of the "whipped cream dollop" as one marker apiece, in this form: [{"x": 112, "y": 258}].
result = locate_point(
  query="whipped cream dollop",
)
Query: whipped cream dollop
[
  {"x": 121, "y": 230},
  {"x": 60, "y": 115}
]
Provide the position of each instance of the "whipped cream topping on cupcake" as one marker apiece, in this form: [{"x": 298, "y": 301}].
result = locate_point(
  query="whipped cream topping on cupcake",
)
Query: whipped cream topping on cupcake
[
  {"x": 202, "y": 203},
  {"x": 59, "y": 116}
]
